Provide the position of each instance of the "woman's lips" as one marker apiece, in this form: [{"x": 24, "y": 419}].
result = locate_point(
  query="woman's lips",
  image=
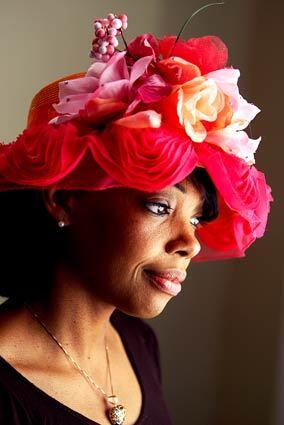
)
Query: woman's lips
[
  {"x": 175, "y": 275},
  {"x": 165, "y": 285}
]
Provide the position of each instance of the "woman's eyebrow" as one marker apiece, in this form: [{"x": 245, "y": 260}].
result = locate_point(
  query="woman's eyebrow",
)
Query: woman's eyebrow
[
  {"x": 199, "y": 209},
  {"x": 180, "y": 187}
]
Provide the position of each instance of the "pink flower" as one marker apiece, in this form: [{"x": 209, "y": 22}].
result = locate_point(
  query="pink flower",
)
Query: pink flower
[
  {"x": 43, "y": 154},
  {"x": 243, "y": 201},
  {"x": 232, "y": 138},
  {"x": 109, "y": 91},
  {"x": 210, "y": 108},
  {"x": 152, "y": 158},
  {"x": 199, "y": 100}
]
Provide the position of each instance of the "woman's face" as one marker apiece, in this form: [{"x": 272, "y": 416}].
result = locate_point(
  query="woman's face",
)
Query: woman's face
[{"x": 118, "y": 233}]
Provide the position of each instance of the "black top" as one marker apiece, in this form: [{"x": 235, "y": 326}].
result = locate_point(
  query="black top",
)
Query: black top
[{"x": 23, "y": 403}]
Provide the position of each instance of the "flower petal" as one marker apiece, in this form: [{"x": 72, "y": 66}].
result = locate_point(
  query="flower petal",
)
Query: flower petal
[
  {"x": 141, "y": 119},
  {"x": 227, "y": 80},
  {"x": 235, "y": 142},
  {"x": 153, "y": 89},
  {"x": 116, "y": 69},
  {"x": 139, "y": 68},
  {"x": 118, "y": 90},
  {"x": 96, "y": 69}
]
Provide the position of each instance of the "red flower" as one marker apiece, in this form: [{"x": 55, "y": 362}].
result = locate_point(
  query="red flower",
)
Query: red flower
[
  {"x": 244, "y": 203},
  {"x": 208, "y": 53},
  {"x": 145, "y": 159},
  {"x": 143, "y": 45},
  {"x": 42, "y": 154},
  {"x": 177, "y": 70}
]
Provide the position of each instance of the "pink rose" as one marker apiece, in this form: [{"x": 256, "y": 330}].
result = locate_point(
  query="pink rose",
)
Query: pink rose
[
  {"x": 151, "y": 158},
  {"x": 244, "y": 204},
  {"x": 42, "y": 154}
]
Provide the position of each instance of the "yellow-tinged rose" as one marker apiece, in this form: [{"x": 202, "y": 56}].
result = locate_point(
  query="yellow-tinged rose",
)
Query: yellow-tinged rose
[{"x": 199, "y": 100}]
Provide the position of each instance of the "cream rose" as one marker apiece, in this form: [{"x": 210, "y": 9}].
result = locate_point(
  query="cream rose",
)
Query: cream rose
[{"x": 199, "y": 100}]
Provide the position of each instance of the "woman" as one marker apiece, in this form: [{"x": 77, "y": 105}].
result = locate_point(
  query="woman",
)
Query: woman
[{"x": 143, "y": 164}]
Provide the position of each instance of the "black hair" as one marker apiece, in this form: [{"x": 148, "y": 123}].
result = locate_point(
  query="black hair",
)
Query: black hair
[
  {"x": 32, "y": 242},
  {"x": 203, "y": 183}
]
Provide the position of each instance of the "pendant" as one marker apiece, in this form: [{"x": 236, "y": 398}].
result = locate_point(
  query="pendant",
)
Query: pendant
[{"x": 116, "y": 413}]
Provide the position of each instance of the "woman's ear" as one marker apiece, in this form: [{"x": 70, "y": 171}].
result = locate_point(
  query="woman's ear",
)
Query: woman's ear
[{"x": 59, "y": 203}]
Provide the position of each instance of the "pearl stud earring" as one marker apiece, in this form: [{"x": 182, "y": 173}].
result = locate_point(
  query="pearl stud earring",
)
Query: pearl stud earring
[{"x": 61, "y": 223}]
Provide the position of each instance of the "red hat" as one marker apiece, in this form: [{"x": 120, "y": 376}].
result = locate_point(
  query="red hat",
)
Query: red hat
[{"x": 145, "y": 117}]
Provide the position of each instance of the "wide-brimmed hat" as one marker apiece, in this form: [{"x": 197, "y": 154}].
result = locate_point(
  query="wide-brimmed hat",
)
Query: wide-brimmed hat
[{"x": 144, "y": 118}]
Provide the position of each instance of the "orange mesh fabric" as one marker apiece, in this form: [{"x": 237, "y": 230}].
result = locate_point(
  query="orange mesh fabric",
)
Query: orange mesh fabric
[{"x": 41, "y": 108}]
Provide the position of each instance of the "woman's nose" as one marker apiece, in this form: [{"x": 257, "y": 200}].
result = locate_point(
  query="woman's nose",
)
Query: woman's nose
[{"x": 184, "y": 242}]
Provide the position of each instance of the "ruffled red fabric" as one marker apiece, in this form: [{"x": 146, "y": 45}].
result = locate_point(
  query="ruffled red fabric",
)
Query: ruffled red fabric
[
  {"x": 243, "y": 200},
  {"x": 209, "y": 53},
  {"x": 146, "y": 159},
  {"x": 42, "y": 154},
  {"x": 69, "y": 156}
]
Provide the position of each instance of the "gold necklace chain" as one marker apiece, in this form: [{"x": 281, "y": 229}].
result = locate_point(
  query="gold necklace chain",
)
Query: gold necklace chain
[{"x": 118, "y": 412}]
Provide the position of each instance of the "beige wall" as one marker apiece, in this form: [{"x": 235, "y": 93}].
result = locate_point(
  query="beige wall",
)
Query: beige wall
[{"x": 219, "y": 338}]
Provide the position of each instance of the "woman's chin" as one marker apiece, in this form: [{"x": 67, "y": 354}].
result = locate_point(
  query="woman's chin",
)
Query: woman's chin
[{"x": 150, "y": 303}]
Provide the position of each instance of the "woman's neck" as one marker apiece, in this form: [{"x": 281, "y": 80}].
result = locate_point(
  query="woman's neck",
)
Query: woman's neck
[{"x": 78, "y": 318}]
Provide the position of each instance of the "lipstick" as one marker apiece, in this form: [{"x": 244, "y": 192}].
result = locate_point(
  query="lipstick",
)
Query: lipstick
[{"x": 170, "y": 286}]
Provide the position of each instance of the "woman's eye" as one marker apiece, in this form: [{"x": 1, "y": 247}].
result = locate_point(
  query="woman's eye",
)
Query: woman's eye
[{"x": 159, "y": 208}]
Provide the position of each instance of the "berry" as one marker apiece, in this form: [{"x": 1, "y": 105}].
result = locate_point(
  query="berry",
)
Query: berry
[
  {"x": 100, "y": 33},
  {"x": 116, "y": 23},
  {"x": 112, "y": 40},
  {"x": 97, "y": 25},
  {"x": 104, "y": 43},
  {"x": 110, "y": 49},
  {"x": 112, "y": 31},
  {"x": 123, "y": 17},
  {"x": 102, "y": 49},
  {"x": 105, "y": 57}
]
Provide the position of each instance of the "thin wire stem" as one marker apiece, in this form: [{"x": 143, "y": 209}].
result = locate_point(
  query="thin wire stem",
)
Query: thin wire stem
[
  {"x": 191, "y": 17},
  {"x": 124, "y": 40}
]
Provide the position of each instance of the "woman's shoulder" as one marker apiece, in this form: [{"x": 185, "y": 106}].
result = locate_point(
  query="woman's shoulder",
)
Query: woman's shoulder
[{"x": 13, "y": 403}]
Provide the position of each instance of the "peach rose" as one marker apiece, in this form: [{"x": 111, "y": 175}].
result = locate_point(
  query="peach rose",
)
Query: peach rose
[{"x": 199, "y": 100}]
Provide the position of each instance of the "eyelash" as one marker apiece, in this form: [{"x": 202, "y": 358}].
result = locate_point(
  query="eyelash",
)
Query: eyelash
[{"x": 168, "y": 209}]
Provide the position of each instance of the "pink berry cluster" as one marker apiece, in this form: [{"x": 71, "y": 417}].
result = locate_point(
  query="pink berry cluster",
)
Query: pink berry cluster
[{"x": 106, "y": 32}]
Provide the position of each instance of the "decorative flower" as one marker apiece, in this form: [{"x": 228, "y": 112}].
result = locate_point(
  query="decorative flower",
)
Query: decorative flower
[
  {"x": 210, "y": 108},
  {"x": 176, "y": 70},
  {"x": 199, "y": 100},
  {"x": 108, "y": 91},
  {"x": 208, "y": 53},
  {"x": 230, "y": 136},
  {"x": 145, "y": 160},
  {"x": 243, "y": 202},
  {"x": 42, "y": 154},
  {"x": 143, "y": 45}
]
